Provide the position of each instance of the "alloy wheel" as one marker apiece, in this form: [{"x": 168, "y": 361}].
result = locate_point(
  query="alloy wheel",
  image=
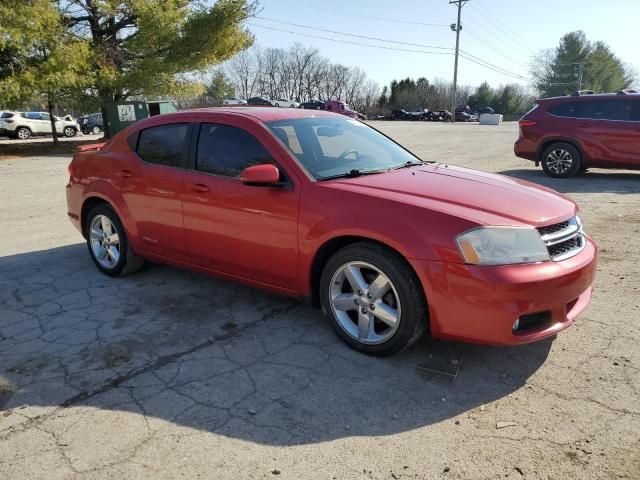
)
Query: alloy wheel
[
  {"x": 95, "y": 130},
  {"x": 69, "y": 132},
  {"x": 105, "y": 241},
  {"x": 365, "y": 303},
  {"x": 23, "y": 134},
  {"x": 559, "y": 161}
]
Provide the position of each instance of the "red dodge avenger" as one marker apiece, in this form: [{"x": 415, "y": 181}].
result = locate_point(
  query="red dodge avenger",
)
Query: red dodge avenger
[{"x": 313, "y": 204}]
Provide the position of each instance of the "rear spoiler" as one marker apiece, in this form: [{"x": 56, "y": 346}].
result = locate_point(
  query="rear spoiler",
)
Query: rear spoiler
[{"x": 91, "y": 147}]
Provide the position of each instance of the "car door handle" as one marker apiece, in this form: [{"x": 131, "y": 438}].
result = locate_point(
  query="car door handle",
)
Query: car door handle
[
  {"x": 124, "y": 173},
  {"x": 199, "y": 187}
]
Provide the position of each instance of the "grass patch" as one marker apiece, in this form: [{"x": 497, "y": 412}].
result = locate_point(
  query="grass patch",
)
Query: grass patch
[{"x": 11, "y": 151}]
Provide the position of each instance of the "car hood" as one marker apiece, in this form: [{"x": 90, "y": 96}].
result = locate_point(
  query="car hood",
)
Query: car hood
[{"x": 481, "y": 197}]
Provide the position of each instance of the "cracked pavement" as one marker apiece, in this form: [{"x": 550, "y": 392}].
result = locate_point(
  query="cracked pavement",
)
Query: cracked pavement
[{"x": 170, "y": 373}]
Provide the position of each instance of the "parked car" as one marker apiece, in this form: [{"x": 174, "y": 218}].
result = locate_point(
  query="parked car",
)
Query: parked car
[
  {"x": 264, "y": 101},
  {"x": 482, "y": 110},
  {"x": 463, "y": 117},
  {"x": 421, "y": 114},
  {"x": 400, "y": 114},
  {"x": 286, "y": 102},
  {"x": 338, "y": 106},
  {"x": 91, "y": 123},
  {"x": 23, "y": 125},
  {"x": 234, "y": 101},
  {"x": 440, "y": 116},
  {"x": 313, "y": 104},
  {"x": 315, "y": 205},
  {"x": 572, "y": 133}
]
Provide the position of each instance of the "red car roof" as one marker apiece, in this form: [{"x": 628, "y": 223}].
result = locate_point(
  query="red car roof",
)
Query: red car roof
[{"x": 265, "y": 114}]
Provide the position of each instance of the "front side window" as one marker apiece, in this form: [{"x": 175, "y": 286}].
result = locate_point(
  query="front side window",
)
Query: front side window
[
  {"x": 164, "y": 144},
  {"x": 329, "y": 147},
  {"x": 226, "y": 150}
]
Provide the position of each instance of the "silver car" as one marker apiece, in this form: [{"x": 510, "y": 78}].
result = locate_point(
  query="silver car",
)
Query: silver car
[{"x": 23, "y": 125}]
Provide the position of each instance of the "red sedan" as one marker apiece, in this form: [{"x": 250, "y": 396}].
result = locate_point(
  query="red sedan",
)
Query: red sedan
[{"x": 313, "y": 204}]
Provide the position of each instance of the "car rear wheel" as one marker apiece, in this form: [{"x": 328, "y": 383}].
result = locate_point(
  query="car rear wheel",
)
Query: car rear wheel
[
  {"x": 96, "y": 130},
  {"x": 69, "y": 132},
  {"x": 561, "y": 160},
  {"x": 107, "y": 243},
  {"x": 373, "y": 298},
  {"x": 23, "y": 133}
]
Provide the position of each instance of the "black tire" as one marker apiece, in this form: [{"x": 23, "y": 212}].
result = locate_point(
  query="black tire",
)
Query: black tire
[
  {"x": 96, "y": 130},
  {"x": 70, "y": 132},
  {"x": 128, "y": 262},
  {"x": 414, "y": 314},
  {"x": 558, "y": 150},
  {"x": 22, "y": 133}
]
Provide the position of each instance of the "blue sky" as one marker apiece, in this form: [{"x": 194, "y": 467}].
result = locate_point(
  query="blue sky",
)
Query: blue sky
[{"x": 502, "y": 33}]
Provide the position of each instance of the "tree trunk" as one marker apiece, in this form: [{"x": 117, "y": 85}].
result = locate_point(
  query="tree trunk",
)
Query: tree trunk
[
  {"x": 52, "y": 119},
  {"x": 106, "y": 96}
]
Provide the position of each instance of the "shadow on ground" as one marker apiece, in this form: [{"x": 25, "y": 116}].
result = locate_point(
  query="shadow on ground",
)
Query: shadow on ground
[
  {"x": 593, "y": 181},
  {"x": 193, "y": 350}
]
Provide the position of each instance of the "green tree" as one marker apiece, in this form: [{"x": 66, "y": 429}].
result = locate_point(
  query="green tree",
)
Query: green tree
[
  {"x": 558, "y": 71},
  {"x": 484, "y": 96},
  {"x": 219, "y": 88},
  {"x": 39, "y": 56},
  {"x": 145, "y": 47}
]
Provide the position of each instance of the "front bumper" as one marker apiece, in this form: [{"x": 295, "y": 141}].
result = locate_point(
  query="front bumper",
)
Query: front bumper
[{"x": 481, "y": 304}]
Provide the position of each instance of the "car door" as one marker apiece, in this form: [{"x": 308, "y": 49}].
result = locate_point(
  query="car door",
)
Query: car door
[
  {"x": 150, "y": 181},
  {"x": 247, "y": 231},
  {"x": 608, "y": 123},
  {"x": 44, "y": 123}
]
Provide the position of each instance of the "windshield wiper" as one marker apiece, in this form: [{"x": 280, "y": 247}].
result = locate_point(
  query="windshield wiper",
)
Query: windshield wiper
[
  {"x": 410, "y": 163},
  {"x": 353, "y": 173}
]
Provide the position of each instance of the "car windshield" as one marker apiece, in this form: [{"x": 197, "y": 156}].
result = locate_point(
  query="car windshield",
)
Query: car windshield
[{"x": 331, "y": 147}]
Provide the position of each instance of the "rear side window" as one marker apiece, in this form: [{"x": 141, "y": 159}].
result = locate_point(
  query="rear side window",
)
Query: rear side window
[
  {"x": 226, "y": 150},
  {"x": 568, "y": 109},
  {"x": 7, "y": 115},
  {"x": 609, "y": 110},
  {"x": 635, "y": 111},
  {"x": 164, "y": 144}
]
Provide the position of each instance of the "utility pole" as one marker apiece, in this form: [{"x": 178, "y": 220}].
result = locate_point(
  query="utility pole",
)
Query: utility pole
[
  {"x": 580, "y": 73},
  {"x": 456, "y": 27}
]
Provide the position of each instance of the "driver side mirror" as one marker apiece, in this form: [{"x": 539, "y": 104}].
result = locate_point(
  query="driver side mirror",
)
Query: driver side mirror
[{"x": 264, "y": 175}]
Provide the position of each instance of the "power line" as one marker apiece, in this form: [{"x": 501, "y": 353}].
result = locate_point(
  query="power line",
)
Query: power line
[
  {"x": 467, "y": 56},
  {"x": 494, "y": 48},
  {"x": 386, "y": 19},
  {"x": 354, "y": 35},
  {"x": 347, "y": 41},
  {"x": 490, "y": 66},
  {"x": 500, "y": 25}
]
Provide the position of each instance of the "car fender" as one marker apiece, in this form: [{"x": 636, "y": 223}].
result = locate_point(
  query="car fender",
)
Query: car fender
[
  {"x": 401, "y": 236},
  {"x": 560, "y": 138},
  {"x": 106, "y": 191}
]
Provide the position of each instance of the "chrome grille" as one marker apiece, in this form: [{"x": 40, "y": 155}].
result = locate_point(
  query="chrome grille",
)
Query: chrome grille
[{"x": 564, "y": 239}]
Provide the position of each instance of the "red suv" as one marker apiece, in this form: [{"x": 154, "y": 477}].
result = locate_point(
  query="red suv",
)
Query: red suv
[
  {"x": 313, "y": 204},
  {"x": 573, "y": 133}
]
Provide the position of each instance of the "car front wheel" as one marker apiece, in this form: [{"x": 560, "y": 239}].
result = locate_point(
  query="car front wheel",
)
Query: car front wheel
[
  {"x": 107, "y": 243},
  {"x": 69, "y": 132},
  {"x": 561, "y": 160},
  {"x": 96, "y": 130},
  {"x": 373, "y": 298}
]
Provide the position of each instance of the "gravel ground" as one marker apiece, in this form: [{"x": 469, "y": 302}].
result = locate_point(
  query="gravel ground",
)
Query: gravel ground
[{"x": 170, "y": 373}]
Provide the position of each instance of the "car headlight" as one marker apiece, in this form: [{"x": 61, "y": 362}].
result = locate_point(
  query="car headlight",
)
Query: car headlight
[{"x": 502, "y": 246}]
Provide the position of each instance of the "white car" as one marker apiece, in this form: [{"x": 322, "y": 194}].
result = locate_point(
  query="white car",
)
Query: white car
[
  {"x": 234, "y": 101},
  {"x": 23, "y": 125},
  {"x": 286, "y": 102}
]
